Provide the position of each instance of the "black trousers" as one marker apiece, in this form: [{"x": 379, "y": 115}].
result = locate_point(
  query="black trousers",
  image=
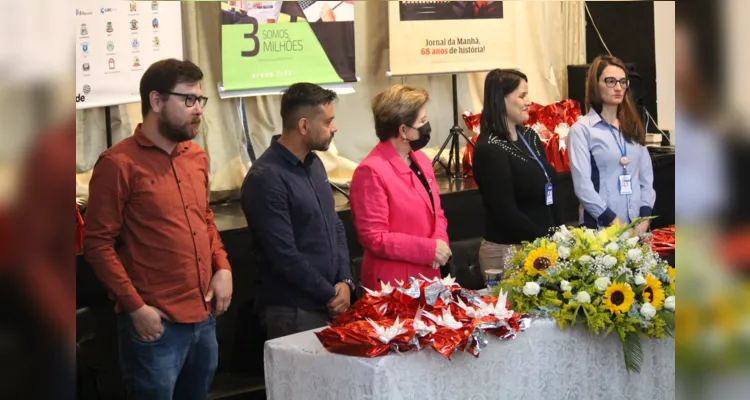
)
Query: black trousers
[{"x": 279, "y": 321}]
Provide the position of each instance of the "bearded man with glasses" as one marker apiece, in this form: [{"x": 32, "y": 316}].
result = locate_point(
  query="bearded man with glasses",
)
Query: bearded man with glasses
[{"x": 151, "y": 239}]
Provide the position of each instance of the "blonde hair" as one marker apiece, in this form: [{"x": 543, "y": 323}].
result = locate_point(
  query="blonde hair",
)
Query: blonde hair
[{"x": 396, "y": 106}]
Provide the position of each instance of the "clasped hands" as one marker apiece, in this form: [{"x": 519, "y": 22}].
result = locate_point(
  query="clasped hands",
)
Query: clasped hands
[{"x": 340, "y": 301}]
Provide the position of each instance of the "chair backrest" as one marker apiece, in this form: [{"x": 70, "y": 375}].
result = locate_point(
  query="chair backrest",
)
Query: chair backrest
[
  {"x": 356, "y": 266},
  {"x": 464, "y": 265}
]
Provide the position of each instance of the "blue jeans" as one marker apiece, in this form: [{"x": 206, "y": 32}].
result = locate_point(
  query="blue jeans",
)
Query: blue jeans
[{"x": 179, "y": 365}]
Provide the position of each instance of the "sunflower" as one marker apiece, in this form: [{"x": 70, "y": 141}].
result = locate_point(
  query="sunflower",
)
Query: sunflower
[
  {"x": 653, "y": 293},
  {"x": 670, "y": 272},
  {"x": 619, "y": 297},
  {"x": 540, "y": 259}
]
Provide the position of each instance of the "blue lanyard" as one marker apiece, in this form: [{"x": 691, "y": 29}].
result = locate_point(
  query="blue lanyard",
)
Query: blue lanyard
[
  {"x": 623, "y": 148},
  {"x": 523, "y": 139}
]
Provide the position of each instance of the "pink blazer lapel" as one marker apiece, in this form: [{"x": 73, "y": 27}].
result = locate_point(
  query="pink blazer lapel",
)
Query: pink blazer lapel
[
  {"x": 417, "y": 184},
  {"x": 390, "y": 153}
]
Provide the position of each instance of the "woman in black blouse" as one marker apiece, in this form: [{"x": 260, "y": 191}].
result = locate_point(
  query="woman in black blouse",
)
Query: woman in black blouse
[{"x": 515, "y": 179}]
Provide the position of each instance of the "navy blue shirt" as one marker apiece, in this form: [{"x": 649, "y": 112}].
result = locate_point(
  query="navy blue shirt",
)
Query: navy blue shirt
[{"x": 300, "y": 243}]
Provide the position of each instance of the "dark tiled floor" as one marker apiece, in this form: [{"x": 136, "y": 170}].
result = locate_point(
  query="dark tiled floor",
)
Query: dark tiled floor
[{"x": 237, "y": 387}]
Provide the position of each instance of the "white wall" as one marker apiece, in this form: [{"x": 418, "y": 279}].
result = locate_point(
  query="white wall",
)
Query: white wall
[
  {"x": 736, "y": 32},
  {"x": 664, "y": 37}
]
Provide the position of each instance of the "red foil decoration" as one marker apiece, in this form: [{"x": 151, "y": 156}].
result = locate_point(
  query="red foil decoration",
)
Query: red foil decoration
[
  {"x": 545, "y": 120},
  {"x": 472, "y": 122},
  {"x": 663, "y": 241},
  {"x": 79, "y": 231},
  {"x": 445, "y": 341},
  {"x": 357, "y": 338},
  {"x": 352, "y": 334}
]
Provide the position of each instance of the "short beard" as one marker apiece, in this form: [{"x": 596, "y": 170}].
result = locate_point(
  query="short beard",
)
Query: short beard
[
  {"x": 176, "y": 133},
  {"x": 320, "y": 145}
]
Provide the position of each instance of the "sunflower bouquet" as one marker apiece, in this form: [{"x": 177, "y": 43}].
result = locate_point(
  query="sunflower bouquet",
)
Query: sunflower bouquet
[{"x": 604, "y": 279}]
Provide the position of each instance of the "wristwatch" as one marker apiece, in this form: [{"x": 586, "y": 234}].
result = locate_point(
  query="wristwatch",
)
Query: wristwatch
[{"x": 350, "y": 282}]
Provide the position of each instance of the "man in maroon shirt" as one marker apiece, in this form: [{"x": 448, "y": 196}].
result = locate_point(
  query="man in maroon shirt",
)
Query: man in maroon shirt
[{"x": 150, "y": 238}]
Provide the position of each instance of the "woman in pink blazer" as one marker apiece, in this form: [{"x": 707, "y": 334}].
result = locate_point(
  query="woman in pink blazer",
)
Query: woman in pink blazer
[{"x": 395, "y": 201}]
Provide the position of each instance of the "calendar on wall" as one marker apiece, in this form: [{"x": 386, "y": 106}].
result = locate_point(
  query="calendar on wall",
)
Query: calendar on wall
[{"x": 116, "y": 41}]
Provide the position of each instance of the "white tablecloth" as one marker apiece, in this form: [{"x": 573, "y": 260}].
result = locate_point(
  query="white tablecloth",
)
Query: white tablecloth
[{"x": 541, "y": 363}]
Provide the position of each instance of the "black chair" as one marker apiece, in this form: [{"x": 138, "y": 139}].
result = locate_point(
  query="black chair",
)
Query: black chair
[
  {"x": 356, "y": 265},
  {"x": 464, "y": 265}
]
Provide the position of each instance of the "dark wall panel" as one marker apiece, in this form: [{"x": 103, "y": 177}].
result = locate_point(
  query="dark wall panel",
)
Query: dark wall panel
[{"x": 627, "y": 28}]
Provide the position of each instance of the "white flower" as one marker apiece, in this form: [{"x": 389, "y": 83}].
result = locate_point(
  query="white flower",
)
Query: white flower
[
  {"x": 609, "y": 261},
  {"x": 635, "y": 255},
  {"x": 640, "y": 280},
  {"x": 602, "y": 283},
  {"x": 563, "y": 252},
  {"x": 531, "y": 289},
  {"x": 583, "y": 298},
  {"x": 632, "y": 242},
  {"x": 669, "y": 303},
  {"x": 562, "y": 235},
  {"x": 585, "y": 260},
  {"x": 648, "y": 311},
  {"x": 565, "y": 286},
  {"x": 613, "y": 247}
]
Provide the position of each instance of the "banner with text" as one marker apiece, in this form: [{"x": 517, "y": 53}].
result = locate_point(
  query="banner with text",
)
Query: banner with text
[
  {"x": 428, "y": 37},
  {"x": 269, "y": 44},
  {"x": 116, "y": 42}
]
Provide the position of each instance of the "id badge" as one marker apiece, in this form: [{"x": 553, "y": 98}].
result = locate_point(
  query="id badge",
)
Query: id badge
[
  {"x": 548, "y": 196},
  {"x": 626, "y": 186}
]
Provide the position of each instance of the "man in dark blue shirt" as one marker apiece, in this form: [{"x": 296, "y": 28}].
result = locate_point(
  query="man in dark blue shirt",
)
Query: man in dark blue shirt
[{"x": 304, "y": 277}]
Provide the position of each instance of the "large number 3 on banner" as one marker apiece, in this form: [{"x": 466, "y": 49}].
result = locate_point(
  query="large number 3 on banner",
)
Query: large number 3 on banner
[{"x": 254, "y": 37}]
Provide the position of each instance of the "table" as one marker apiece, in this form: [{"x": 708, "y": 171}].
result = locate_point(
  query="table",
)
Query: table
[{"x": 541, "y": 363}]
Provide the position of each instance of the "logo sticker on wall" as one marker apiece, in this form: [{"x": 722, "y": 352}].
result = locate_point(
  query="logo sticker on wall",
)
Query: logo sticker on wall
[
  {"x": 111, "y": 63},
  {"x": 84, "y": 30},
  {"x": 109, "y": 27},
  {"x": 110, "y": 46},
  {"x": 133, "y": 24}
]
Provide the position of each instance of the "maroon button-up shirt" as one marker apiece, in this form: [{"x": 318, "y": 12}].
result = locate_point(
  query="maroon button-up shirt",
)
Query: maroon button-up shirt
[{"x": 149, "y": 233}]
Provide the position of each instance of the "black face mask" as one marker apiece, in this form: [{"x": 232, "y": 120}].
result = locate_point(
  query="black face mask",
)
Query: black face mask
[{"x": 424, "y": 137}]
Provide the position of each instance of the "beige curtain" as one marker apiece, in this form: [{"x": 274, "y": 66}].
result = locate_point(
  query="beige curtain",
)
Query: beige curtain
[
  {"x": 221, "y": 134},
  {"x": 550, "y": 34}
]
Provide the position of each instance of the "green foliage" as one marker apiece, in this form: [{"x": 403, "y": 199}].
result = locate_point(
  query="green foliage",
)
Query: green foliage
[
  {"x": 668, "y": 318},
  {"x": 597, "y": 319},
  {"x": 657, "y": 328},
  {"x": 633, "y": 352},
  {"x": 581, "y": 276}
]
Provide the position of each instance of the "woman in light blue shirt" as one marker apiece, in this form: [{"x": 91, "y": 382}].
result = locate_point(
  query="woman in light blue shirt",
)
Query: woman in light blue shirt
[{"x": 611, "y": 167}]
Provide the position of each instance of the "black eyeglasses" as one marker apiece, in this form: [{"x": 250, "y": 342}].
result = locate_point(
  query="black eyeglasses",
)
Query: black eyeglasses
[
  {"x": 190, "y": 99},
  {"x": 612, "y": 82}
]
